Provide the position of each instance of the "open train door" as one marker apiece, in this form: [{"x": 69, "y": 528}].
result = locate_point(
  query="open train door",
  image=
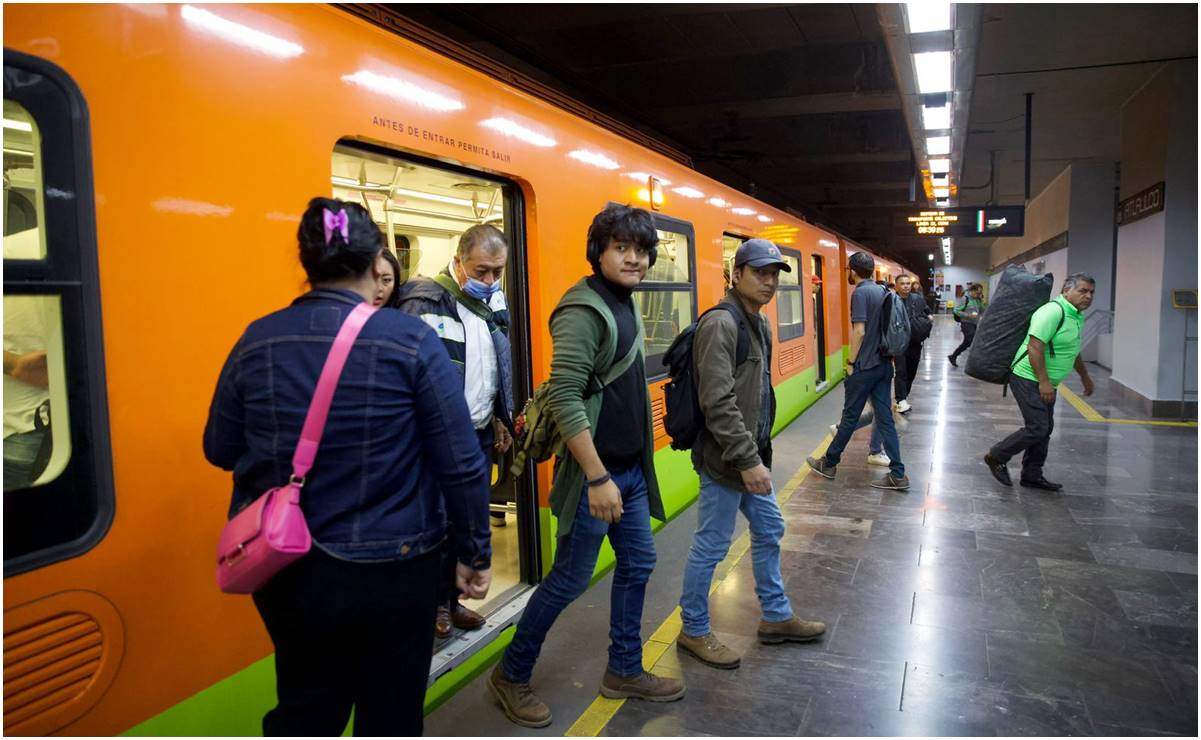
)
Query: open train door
[{"x": 819, "y": 319}]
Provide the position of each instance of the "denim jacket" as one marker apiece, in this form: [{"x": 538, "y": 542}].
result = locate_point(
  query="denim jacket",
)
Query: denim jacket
[{"x": 398, "y": 421}]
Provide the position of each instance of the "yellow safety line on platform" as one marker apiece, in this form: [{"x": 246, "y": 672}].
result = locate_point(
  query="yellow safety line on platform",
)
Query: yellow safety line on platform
[
  {"x": 602, "y": 709},
  {"x": 1091, "y": 414}
]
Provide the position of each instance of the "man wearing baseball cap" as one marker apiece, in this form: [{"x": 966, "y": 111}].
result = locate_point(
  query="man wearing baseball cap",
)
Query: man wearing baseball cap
[
  {"x": 732, "y": 455},
  {"x": 869, "y": 376}
]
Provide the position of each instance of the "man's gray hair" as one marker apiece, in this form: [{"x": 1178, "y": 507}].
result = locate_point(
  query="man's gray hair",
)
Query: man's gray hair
[
  {"x": 484, "y": 236},
  {"x": 1077, "y": 277}
]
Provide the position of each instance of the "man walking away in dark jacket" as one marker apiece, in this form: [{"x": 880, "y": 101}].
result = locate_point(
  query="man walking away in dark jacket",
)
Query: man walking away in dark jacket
[
  {"x": 919, "y": 330},
  {"x": 464, "y": 304},
  {"x": 732, "y": 455},
  {"x": 1050, "y": 352},
  {"x": 869, "y": 376},
  {"x": 605, "y": 485},
  {"x": 969, "y": 317}
]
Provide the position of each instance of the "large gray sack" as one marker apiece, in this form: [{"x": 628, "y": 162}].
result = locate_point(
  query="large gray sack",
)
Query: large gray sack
[{"x": 1004, "y": 325}]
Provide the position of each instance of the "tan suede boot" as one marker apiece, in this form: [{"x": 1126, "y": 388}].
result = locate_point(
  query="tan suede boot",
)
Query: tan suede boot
[
  {"x": 647, "y": 687},
  {"x": 522, "y": 706},
  {"x": 793, "y": 629},
  {"x": 709, "y": 650}
]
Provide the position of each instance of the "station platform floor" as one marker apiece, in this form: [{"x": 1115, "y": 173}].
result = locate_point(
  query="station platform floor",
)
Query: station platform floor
[{"x": 957, "y": 608}]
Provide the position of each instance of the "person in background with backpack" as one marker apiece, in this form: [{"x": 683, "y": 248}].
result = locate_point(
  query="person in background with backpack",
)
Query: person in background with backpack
[
  {"x": 465, "y": 306},
  {"x": 605, "y": 484},
  {"x": 968, "y": 316},
  {"x": 1050, "y": 352},
  {"x": 920, "y": 326},
  {"x": 732, "y": 455},
  {"x": 869, "y": 377}
]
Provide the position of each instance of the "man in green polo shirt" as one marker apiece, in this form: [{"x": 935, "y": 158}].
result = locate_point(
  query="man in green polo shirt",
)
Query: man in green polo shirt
[{"x": 1051, "y": 350}]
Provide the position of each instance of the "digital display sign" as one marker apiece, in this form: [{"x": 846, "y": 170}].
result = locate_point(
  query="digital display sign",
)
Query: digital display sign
[{"x": 986, "y": 221}]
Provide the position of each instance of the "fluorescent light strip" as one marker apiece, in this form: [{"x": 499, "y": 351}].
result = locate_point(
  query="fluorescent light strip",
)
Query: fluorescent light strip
[
  {"x": 403, "y": 90},
  {"x": 517, "y": 131},
  {"x": 239, "y": 34},
  {"x": 938, "y": 145},
  {"x": 925, "y": 17},
  {"x": 594, "y": 159},
  {"x": 688, "y": 192},
  {"x": 941, "y": 181},
  {"x": 18, "y": 125},
  {"x": 940, "y": 166},
  {"x": 942, "y": 192},
  {"x": 933, "y": 71},
  {"x": 934, "y": 119}
]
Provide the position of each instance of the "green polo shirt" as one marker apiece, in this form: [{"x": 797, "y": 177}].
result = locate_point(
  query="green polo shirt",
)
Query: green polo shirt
[{"x": 1066, "y": 340}]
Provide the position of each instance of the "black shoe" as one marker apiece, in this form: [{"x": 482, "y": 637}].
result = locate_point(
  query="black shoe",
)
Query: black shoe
[
  {"x": 999, "y": 470},
  {"x": 952, "y": 359},
  {"x": 1042, "y": 483},
  {"x": 821, "y": 467}
]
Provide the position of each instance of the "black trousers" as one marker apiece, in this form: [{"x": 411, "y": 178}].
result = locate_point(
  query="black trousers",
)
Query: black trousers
[
  {"x": 1035, "y": 437},
  {"x": 447, "y": 590},
  {"x": 906, "y": 366},
  {"x": 969, "y": 333},
  {"x": 350, "y": 634}
]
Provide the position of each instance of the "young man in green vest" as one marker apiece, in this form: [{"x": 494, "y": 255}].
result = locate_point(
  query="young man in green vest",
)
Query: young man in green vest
[
  {"x": 1050, "y": 352},
  {"x": 605, "y": 485},
  {"x": 968, "y": 316}
]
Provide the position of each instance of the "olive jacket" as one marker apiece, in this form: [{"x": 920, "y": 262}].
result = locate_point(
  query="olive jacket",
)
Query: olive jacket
[
  {"x": 730, "y": 396},
  {"x": 584, "y": 333}
]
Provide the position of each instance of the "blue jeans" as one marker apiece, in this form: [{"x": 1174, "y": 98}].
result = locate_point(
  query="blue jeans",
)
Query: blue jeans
[
  {"x": 575, "y": 560},
  {"x": 873, "y": 385},
  {"x": 866, "y": 419},
  {"x": 21, "y": 457},
  {"x": 718, "y": 509}
]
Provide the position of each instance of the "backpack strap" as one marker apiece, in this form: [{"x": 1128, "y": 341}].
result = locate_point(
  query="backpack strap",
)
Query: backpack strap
[
  {"x": 473, "y": 305},
  {"x": 1063, "y": 314},
  {"x": 742, "y": 349}
]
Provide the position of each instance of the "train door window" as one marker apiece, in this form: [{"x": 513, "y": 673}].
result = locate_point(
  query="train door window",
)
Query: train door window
[
  {"x": 789, "y": 300},
  {"x": 667, "y": 296},
  {"x": 423, "y": 208},
  {"x": 58, "y": 496},
  {"x": 729, "y": 245}
]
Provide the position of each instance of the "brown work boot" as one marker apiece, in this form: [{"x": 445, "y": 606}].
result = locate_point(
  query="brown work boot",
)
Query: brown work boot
[
  {"x": 647, "y": 687},
  {"x": 709, "y": 650},
  {"x": 522, "y": 706},
  {"x": 793, "y": 629},
  {"x": 464, "y": 618}
]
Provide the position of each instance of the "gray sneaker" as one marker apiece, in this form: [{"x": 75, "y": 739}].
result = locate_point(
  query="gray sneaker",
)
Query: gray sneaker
[
  {"x": 821, "y": 467},
  {"x": 892, "y": 483},
  {"x": 709, "y": 650},
  {"x": 647, "y": 687},
  {"x": 522, "y": 706}
]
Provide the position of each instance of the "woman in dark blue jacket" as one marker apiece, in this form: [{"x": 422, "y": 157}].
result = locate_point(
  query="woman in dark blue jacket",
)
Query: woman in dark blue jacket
[{"x": 353, "y": 621}]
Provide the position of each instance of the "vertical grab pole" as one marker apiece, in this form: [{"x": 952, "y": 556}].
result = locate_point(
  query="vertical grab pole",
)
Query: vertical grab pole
[{"x": 1029, "y": 128}]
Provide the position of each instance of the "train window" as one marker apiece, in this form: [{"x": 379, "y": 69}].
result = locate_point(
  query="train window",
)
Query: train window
[
  {"x": 58, "y": 497},
  {"x": 423, "y": 209},
  {"x": 729, "y": 245},
  {"x": 789, "y": 300},
  {"x": 667, "y": 296}
]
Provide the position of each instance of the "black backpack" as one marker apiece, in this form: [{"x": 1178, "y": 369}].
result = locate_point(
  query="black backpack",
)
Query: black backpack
[
  {"x": 684, "y": 420},
  {"x": 920, "y": 324}
]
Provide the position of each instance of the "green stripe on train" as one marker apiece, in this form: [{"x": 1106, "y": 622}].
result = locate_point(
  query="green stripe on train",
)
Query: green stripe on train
[{"x": 234, "y": 707}]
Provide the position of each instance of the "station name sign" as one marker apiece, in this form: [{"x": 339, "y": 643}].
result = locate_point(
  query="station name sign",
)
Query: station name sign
[
  {"x": 1140, "y": 205},
  {"x": 986, "y": 222}
]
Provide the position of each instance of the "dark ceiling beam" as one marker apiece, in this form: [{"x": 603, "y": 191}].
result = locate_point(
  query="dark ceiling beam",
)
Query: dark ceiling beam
[
  {"x": 800, "y": 105},
  {"x": 900, "y": 155}
]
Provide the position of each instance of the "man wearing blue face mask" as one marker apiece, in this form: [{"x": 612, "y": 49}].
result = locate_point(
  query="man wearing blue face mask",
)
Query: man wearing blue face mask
[{"x": 466, "y": 307}]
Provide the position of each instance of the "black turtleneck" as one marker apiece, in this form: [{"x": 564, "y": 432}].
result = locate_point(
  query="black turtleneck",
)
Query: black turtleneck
[{"x": 619, "y": 436}]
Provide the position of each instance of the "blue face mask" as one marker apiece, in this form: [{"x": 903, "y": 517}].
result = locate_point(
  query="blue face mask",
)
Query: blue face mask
[{"x": 480, "y": 290}]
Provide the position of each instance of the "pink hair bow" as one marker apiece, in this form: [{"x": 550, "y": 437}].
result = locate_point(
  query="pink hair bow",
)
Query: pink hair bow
[{"x": 336, "y": 222}]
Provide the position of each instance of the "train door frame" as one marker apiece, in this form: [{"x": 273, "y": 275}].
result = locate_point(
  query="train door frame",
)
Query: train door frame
[
  {"x": 817, "y": 270},
  {"x": 449, "y": 656}
]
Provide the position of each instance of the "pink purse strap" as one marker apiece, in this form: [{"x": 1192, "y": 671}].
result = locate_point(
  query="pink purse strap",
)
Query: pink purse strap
[{"x": 314, "y": 420}]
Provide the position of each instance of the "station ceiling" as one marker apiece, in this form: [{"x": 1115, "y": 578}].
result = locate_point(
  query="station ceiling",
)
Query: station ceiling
[{"x": 798, "y": 106}]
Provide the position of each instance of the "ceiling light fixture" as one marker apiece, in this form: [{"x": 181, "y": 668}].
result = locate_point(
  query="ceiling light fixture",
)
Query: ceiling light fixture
[
  {"x": 938, "y": 145},
  {"x": 942, "y": 193},
  {"x": 933, "y": 71},
  {"x": 930, "y": 257},
  {"x": 940, "y": 166},
  {"x": 925, "y": 17},
  {"x": 941, "y": 181},
  {"x": 18, "y": 125},
  {"x": 935, "y": 119}
]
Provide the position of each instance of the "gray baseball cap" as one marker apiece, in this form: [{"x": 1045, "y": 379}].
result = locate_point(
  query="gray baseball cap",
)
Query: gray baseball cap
[{"x": 760, "y": 253}]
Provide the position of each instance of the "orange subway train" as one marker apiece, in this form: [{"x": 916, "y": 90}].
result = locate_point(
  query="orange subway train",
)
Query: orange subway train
[{"x": 156, "y": 162}]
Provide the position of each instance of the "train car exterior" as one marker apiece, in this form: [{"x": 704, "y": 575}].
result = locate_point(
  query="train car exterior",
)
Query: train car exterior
[{"x": 169, "y": 152}]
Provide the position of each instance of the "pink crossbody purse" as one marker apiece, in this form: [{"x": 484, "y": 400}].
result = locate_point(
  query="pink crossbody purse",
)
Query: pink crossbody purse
[{"x": 270, "y": 533}]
